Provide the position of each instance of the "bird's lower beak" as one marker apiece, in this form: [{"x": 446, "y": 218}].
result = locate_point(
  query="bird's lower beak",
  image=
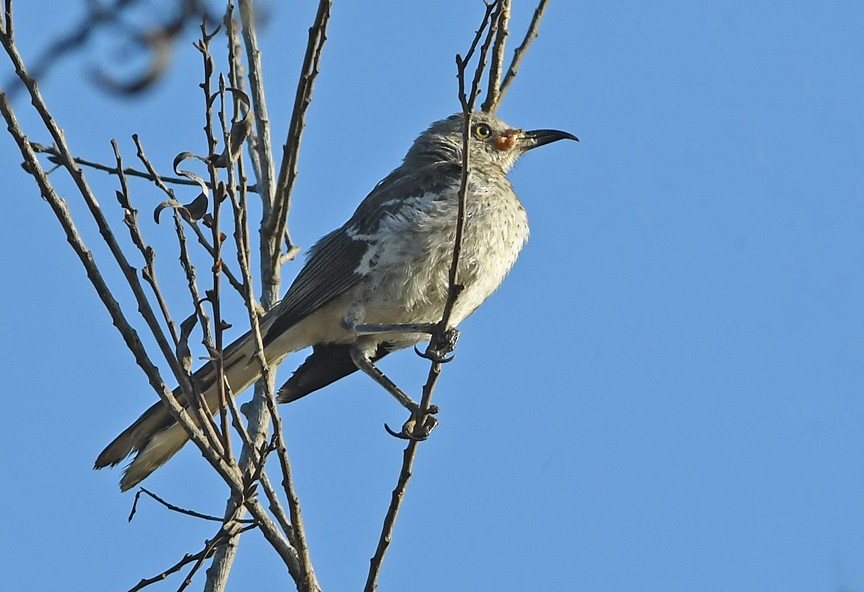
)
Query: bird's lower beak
[{"x": 535, "y": 138}]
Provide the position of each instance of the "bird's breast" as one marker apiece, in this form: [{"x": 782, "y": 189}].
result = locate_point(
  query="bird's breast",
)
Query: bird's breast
[{"x": 410, "y": 262}]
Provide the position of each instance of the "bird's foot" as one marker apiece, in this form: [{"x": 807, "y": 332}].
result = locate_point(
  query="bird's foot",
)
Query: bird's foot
[
  {"x": 417, "y": 428},
  {"x": 439, "y": 349}
]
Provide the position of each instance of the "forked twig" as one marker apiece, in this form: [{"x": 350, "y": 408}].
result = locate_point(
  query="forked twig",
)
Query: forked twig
[
  {"x": 197, "y": 558},
  {"x": 178, "y": 509},
  {"x": 493, "y": 90},
  {"x": 530, "y": 36}
]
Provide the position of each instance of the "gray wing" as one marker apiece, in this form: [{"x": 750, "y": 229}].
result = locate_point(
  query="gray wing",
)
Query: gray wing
[{"x": 333, "y": 262}]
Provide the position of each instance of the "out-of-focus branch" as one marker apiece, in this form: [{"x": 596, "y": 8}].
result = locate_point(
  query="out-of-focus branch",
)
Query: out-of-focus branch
[
  {"x": 530, "y": 36},
  {"x": 157, "y": 36},
  {"x": 488, "y": 27}
]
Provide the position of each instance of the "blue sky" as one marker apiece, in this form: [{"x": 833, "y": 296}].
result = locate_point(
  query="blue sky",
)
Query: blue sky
[{"x": 666, "y": 394}]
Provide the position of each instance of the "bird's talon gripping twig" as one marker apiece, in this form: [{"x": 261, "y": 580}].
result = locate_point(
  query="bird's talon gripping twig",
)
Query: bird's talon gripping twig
[
  {"x": 411, "y": 431},
  {"x": 434, "y": 355},
  {"x": 391, "y": 431},
  {"x": 439, "y": 349}
]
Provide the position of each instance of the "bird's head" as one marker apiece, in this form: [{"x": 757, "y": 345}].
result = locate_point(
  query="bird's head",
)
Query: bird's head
[{"x": 490, "y": 140}]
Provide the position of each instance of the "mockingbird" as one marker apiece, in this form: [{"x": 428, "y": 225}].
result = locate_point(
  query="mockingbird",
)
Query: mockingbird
[{"x": 379, "y": 282}]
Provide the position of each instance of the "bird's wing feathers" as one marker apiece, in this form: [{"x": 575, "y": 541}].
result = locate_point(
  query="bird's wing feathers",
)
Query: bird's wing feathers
[{"x": 334, "y": 261}]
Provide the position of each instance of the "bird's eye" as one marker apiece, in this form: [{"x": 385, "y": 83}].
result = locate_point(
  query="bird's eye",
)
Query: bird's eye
[{"x": 482, "y": 131}]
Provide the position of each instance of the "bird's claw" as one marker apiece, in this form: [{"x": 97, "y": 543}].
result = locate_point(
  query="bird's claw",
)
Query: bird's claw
[
  {"x": 433, "y": 355},
  {"x": 439, "y": 350},
  {"x": 414, "y": 429}
]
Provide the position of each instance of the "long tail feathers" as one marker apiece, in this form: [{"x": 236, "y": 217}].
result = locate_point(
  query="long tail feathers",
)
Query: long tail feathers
[{"x": 155, "y": 437}]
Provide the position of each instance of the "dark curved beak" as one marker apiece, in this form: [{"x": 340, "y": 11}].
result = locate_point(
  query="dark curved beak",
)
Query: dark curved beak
[{"x": 536, "y": 138}]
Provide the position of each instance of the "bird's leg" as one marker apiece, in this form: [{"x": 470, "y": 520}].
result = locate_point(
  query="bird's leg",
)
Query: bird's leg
[
  {"x": 409, "y": 430},
  {"x": 438, "y": 349},
  {"x": 363, "y": 362},
  {"x": 371, "y": 329}
]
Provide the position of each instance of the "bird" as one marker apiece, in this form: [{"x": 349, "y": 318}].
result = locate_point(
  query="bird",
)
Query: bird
[{"x": 376, "y": 284}]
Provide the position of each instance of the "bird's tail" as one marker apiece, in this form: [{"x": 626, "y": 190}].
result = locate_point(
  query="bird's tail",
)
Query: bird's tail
[{"x": 155, "y": 436}]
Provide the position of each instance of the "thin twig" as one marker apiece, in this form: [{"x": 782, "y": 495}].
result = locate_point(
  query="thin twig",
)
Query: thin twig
[
  {"x": 226, "y": 471},
  {"x": 214, "y": 294},
  {"x": 496, "y": 66},
  {"x": 199, "y": 410},
  {"x": 197, "y": 558},
  {"x": 454, "y": 289},
  {"x": 51, "y": 151},
  {"x": 8, "y": 22},
  {"x": 229, "y": 472},
  {"x": 530, "y": 36},
  {"x": 262, "y": 152},
  {"x": 130, "y": 336},
  {"x": 130, "y": 218},
  {"x": 158, "y": 180},
  {"x": 306, "y": 578},
  {"x": 277, "y": 225},
  {"x": 178, "y": 509}
]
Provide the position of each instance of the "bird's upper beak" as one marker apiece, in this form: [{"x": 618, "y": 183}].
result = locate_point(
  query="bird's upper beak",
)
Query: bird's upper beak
[{"x": 535, "y": 138}]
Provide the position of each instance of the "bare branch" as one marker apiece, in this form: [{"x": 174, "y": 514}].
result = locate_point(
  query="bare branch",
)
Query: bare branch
[
  {"x": 178, "y": 509},
  {"x": 454, "y": 289},
  {"x": 305, "y": 577},
  {"x": 262, "y": 152},
  {"x": 493, "y": 90},
  {"x": 228, "y": 472},
  {"x": 214, "y": 293},
  {"x": 130, "y": 218},
  {"x": 196, "y": 558},
  {"x": 129, "y": 172},
  {"x": 277, "y": 225},
  {"x": 7, "y": 25},
  {"x": 130, "y": 336},
  {"x": 530, "y": 36}
]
